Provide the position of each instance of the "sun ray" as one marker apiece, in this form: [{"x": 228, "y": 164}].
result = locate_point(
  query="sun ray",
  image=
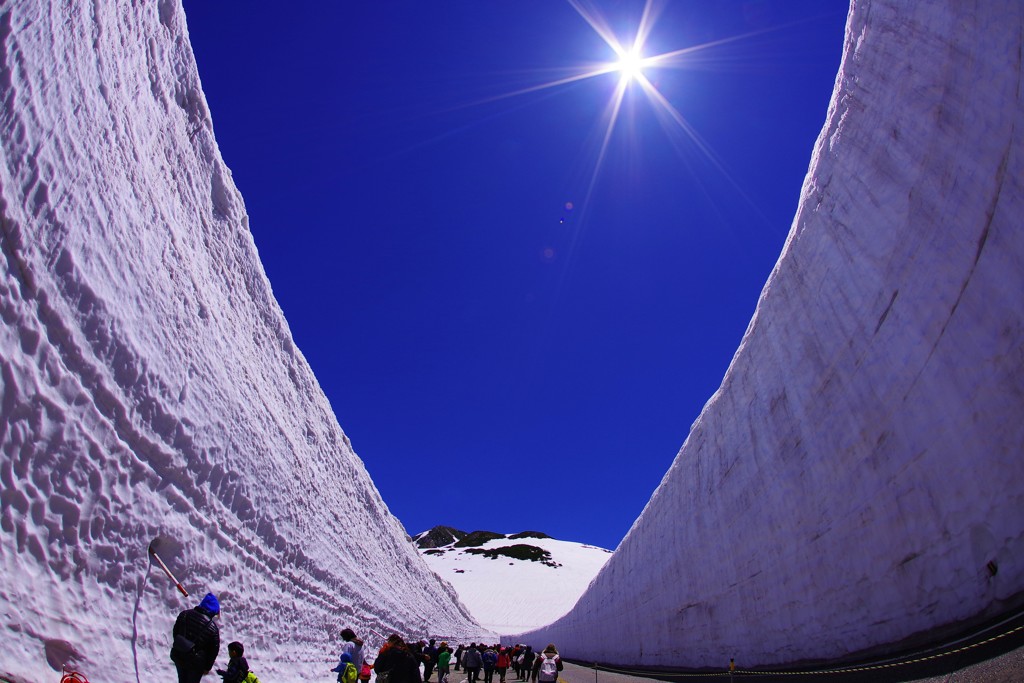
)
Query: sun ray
[
  {"x": 598, "y": 71},
  {"x": 599, "y": 25},
  {"x": 613, "y": 109},
  {"x": 647, "y": 21},
  {"x": 664, "y": 110},
  {"x": 672, "y": 59},
  {"x": 665, "y": 113}
]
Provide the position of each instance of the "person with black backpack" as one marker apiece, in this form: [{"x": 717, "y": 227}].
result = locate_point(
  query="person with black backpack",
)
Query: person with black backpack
[{"x": 196, "y": 640}]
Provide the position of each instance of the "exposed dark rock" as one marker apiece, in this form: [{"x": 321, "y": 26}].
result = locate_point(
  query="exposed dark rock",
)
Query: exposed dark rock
[
  {"x": 519, "y": 551},
  {"x": 438, "y": 536},
  {"x": 477, "y": 538},
  {"x": 529, "y": 534}
]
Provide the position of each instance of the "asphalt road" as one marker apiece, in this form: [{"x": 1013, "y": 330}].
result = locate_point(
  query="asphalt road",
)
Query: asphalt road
[{"x": 1007, "y": 668}]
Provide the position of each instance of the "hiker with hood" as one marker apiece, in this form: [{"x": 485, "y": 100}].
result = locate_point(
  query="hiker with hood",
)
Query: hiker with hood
[
  {"x": 238, "y": 667},
  {"x": 472, "y": 661},
  {"x": 502, "y": 664},
  {"x": 396, "y": 663},
  {"x": 490, "y": 658},
  {"x": 346, "y": 670},
  {"x": 196, "y": 640},
  {"x": 547, "y": 666}
]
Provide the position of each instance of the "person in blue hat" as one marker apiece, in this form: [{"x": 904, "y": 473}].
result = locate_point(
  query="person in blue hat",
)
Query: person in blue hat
[{"x": 196, "y": 640}]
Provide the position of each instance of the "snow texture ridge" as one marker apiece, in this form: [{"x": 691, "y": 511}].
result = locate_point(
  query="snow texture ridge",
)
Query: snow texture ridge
[
  {"x": 150, "y": 389},
  {"x": 857, "y": 478}
]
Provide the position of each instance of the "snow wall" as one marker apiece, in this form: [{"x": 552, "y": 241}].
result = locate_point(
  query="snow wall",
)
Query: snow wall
[
  {"x": 150, "y": 388},
  {"x": 863, "y": 460}
]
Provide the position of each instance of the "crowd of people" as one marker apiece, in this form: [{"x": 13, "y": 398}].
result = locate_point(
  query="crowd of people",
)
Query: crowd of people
[
  {"x": 196, "y": 644},
  {"x": 399, "y": 662}
]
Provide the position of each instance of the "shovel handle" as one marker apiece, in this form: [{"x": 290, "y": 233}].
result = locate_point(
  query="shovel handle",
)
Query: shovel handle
[{"x": 177, "y": 584}]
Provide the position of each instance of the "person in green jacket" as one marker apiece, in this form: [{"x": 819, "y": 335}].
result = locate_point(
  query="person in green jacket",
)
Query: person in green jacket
[{"x": 444, "y": 658}]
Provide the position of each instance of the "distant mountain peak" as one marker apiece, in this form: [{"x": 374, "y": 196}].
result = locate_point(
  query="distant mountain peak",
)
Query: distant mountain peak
[
  {"x": 438, "y": 537},
  {"x": 508, "y": 584},
  {"x": 478, "y": 538},
  {"x": 529, "y": 534},
  {"x": 441, "y": 536}
]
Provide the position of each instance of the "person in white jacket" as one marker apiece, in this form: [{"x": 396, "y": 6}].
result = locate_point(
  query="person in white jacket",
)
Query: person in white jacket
[{"x": 352, "y": 646}]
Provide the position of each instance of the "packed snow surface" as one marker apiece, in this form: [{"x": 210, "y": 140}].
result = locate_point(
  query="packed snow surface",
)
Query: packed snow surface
[
  {"x": 508, "y": 594},
  {"x": 857, "y": 478},
  {"x": 150, "y": 390}
]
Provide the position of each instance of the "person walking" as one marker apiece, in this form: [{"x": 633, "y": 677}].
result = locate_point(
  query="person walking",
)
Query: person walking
[
  {"x": 528, "y": 657},
  {"x": 444, "y": 659},
  {"x": 502, "y": 664},
  {"x": 490, "y": 660},
  {"x": 196, "y": 640},
  {"x": 471, "y": 662},
  {"x": 547, "y": 666},
  {"x": 396, "y": 663},
  {"x": 346, "y": 670},
  {"x": 351, "y": 645},
  {"x": 429, "y": 660},
  {"x": 458, "y": 656}
]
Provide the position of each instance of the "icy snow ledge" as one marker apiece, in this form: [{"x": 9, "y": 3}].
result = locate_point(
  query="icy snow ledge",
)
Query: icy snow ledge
[
  {"x": 150, "y": 385},
  {"x": 862, "y": 461}
]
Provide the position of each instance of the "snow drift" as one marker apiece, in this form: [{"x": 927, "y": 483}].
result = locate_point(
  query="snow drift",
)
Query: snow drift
[
  {"x": 151, "y": 390},
  {"x": 857, "y": 479}
]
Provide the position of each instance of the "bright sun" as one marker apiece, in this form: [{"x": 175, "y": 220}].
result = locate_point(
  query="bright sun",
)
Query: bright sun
[{"x": 630, "y": 65}]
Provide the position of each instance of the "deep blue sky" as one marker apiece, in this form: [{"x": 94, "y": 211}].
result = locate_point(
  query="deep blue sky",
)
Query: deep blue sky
[{"x": 501, "y": 362}]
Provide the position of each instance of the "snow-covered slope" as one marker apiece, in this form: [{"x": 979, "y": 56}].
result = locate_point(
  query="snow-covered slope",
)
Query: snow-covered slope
[
  {"x": 858, "y": 477},
  {"x": 149, "y": 385},
  {"x": 519, "y": 581}
]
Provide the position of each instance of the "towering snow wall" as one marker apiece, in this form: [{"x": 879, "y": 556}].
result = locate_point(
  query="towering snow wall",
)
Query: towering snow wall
[
  {"x": 149, "y": 385},
  {"x": 863, "y": 460}
]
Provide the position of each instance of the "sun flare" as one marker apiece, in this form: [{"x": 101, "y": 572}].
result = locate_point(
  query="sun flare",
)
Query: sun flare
[{"x": 630, "y": 65}]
